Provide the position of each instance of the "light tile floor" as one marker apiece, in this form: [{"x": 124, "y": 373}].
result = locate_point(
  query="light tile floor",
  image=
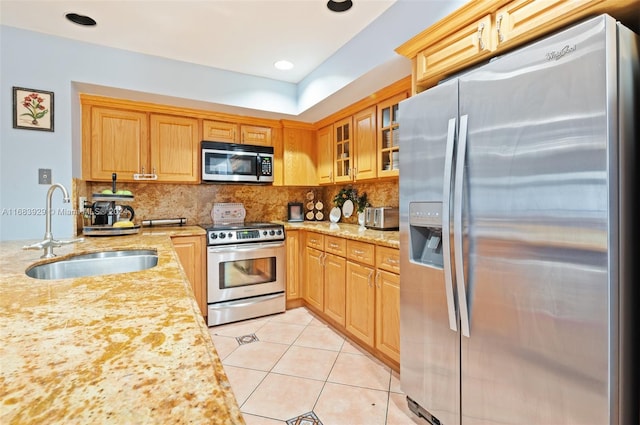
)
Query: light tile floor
[{"x": 299, "y": 366}]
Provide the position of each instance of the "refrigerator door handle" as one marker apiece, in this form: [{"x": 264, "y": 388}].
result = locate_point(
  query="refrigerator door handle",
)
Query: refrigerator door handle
[
  {"x": 457, "y": 227},
  {"x": 446, "y": 230}
]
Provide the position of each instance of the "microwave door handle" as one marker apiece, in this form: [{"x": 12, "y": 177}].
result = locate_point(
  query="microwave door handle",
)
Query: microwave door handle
[{"x": 258, "y": 167}]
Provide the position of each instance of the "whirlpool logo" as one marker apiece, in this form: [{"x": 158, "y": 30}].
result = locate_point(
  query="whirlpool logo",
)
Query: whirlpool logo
[{"x": 559, "y": 54}]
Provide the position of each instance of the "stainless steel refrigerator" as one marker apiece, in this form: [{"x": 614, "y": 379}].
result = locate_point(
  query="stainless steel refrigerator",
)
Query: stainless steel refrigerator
[{"x": 517, "y": 236}]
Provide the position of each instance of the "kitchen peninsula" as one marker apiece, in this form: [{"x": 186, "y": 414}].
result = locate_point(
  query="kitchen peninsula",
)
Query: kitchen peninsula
[{"x": 119, "y": 348}]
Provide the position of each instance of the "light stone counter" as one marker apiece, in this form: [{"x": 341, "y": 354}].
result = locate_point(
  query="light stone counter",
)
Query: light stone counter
[
  {"x": 127, "y": 348},
  {"x": 389, "y": 238}
]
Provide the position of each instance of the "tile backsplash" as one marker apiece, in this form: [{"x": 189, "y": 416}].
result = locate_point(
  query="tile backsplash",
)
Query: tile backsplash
[{"x": 263, "y": 203}]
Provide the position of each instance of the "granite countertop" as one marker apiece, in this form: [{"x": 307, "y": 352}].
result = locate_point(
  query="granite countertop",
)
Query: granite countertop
[
  {"x": 120, "y": 348},
  {"x": 389, "y": 238}
]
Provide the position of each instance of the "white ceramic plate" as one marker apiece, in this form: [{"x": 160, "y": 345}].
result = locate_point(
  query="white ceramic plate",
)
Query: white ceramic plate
[
  {"x": 347, "y": 208},
  {"x": 334, "y": 215}
]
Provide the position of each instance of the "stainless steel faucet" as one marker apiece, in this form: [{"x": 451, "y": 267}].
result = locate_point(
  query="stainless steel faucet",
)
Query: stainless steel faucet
[{"x": 49, "y": 243}]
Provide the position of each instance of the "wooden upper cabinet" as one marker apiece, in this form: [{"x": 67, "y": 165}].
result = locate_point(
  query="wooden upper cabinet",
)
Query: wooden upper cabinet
[
  {"x": 255, "y": 135},
  {"x": 117, "y": 143},
  {"x": 221, "y": 131},
  {"x": 343, "y": 150},
  {"x": 481, "y": 29},
  {"x": 324, "y": 167},
  {"x": 299, "y": 157},
  {"x": 389, "y": 136},
  {"x": 522, "y": 16},
  {"x": 458, "y": 47},
  {"x": 174, "y": 148},
  {"x": 364, "y": 141}
]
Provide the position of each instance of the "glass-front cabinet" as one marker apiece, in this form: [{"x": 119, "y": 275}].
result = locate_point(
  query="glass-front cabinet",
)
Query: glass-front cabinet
[
  {"x": 342, "y": 136},
  {"x": 389, "y": 136}
]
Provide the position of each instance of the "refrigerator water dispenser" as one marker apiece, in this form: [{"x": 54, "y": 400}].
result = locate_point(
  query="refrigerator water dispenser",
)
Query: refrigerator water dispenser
[{"x": 425, "y": 233}]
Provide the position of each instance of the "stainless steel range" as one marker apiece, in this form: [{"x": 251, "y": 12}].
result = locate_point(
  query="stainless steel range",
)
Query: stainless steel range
[{"x": 245, "y": 271}]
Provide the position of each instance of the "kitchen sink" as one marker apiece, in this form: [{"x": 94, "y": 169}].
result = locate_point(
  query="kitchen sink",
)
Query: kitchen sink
[{"x": 95, "y": 264}]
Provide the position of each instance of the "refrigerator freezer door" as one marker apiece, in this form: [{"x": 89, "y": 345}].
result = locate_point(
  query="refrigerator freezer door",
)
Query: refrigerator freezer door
[
  {"x": 536, "y": 221},
  {"x": 430, "y": 350}
]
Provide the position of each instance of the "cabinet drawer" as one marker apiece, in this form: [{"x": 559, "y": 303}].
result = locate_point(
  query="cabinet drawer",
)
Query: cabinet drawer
[
  {"x": 361, "y": 252},
  {"x": 455, "y": 50},
  {"x": 334, "y": 245},
  {"x": 388, "y": 259},
  {"x": 315, "y": 240}
]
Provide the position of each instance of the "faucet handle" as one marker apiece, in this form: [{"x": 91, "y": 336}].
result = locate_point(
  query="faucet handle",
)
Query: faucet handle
[
  {"x": 60, "y": 243},
  {"x": 37, "y": 245}
]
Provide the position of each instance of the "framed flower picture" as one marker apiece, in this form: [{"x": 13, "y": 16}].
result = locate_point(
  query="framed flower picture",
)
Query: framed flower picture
[{"x": 32, "y": 109}]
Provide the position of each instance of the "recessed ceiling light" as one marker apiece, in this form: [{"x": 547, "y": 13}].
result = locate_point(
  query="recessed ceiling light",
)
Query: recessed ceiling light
[
  {"x": 81, "y": 19},
  {"x": 283, "y": 65},
  {"x": 339, "y": 6}
]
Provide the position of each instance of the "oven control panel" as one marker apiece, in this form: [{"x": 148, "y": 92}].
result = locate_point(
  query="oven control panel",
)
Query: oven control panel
[{"x": 231, "y": 236}]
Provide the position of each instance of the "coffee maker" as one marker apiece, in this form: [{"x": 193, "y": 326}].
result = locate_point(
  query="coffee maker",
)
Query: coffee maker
[{"x": 106, "y": 209}]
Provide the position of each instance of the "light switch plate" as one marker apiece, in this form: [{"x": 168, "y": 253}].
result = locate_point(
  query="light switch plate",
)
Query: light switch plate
[{"x": 44, "y": 175}]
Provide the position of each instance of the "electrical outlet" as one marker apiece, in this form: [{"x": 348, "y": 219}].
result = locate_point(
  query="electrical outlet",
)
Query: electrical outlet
[
  {"x": 81, "y": 201},
  {"x": 44, "y": 175}
]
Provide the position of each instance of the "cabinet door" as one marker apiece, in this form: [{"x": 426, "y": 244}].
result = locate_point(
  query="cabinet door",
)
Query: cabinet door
[
  {"x": 191, "y": 252},
  {"x": 522, "y": 16},
  {"x": 334, "y": 287},
  {"x": 462, "y": 46},
  {"x": 343, "y": 150},
  {"x": 293, "y": 264},
  {"x": 364, "y": 140},
  {"x": 175, "y": 148},
  {"x": 220, "y": 131},
  {"x": 389, "y": 136},
  {"x": 325, "y": 155},
  {"x": 314, "y": 278},
  {"x": 360, "y": 308},
  {"x": 299, "y": 157},
  {"x": 119, "y": 143},
  {"x": 254, "y": 135},
  {"x": 388, "y": 314}
]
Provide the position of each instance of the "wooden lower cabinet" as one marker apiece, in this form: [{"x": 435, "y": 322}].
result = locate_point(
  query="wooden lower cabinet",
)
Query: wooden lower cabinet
[
  {"x": 334, "y": 287},
  {"x": 293, "y": 264},
  {"x": 388, "y": 314},
  {"x": 314, "y": 278},
  {"x": 191, "y": 252},
  {"x": 360, "y": 307}
]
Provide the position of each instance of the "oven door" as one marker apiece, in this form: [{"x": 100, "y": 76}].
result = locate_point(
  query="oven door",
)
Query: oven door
[{"x": 242, "y": 271}]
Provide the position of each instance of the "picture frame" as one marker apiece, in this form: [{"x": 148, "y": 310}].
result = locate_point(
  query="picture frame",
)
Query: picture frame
[
  {"x": 295, "y": 212},
  {"x": 32, "y": 109}
]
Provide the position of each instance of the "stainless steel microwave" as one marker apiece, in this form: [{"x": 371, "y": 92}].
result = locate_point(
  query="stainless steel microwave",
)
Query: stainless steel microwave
[{"x": 232, "y": 162}]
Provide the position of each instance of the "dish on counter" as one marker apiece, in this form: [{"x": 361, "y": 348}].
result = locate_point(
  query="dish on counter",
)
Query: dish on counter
[
  {"x": 334, "y": 215},
  {"x": 347, "y": 208}
]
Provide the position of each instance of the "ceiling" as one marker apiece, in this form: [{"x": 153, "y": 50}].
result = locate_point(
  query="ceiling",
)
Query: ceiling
[{"x": 244, "y": 36}]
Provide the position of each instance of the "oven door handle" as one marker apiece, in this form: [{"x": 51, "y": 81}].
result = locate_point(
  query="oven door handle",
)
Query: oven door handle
[
  {"x": 246, "y": 303},
  {"x": 245, "y": 248}
]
